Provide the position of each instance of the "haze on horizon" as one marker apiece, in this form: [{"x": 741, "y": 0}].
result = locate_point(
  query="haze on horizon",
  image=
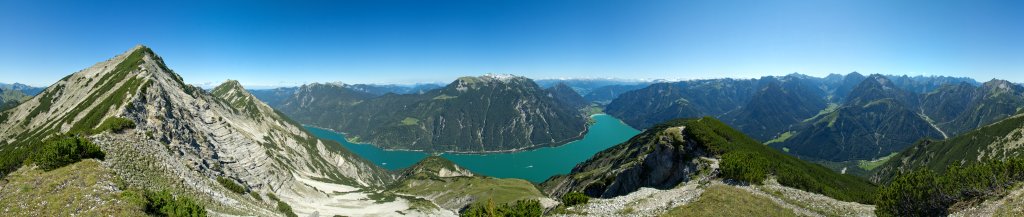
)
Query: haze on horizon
[{"x": 264, "y": 43}]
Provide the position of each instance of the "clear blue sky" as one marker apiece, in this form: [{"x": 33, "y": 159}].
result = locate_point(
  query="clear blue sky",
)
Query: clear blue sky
[{"x": 271, "y": 43}]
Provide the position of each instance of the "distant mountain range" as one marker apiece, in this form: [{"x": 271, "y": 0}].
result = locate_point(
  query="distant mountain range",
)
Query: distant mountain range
[
  {"x": 276, "y": 96},
  {"x": 836, "y": 118},
  {"x": 600, "y": 91},
  {"x": 13, "y": 94},
  {"x": 28, "y": 90}
]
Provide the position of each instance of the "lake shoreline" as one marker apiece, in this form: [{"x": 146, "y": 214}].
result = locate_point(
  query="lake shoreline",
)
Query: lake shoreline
[
  {"x": 579, "y": 137},
  {"x": 534, "y": 165}
]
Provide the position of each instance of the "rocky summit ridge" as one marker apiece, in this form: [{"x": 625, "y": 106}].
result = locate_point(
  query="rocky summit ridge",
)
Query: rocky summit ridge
[{"x": 185, "y": 138}]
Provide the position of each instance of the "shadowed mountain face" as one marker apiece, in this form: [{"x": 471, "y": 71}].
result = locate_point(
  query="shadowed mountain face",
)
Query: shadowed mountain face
[
  {"x": 666, "y": 101},
  {"x": 565, "y": 95},
  {"x": 776, "y": 107},
  {"x": 878, "y": 118},
  {"x": 605, "y": 94},
  {"x": 472, "y": 114}
]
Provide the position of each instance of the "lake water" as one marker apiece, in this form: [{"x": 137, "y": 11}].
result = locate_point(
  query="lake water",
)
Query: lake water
[{"x": 534, "y": 165}]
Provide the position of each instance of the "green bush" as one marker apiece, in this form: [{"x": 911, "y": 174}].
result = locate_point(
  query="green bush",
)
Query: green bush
[
  {"x": 56, "y": 153},
  {"x": 115, "y": 124},
  {"x": 520, "y": 208},
  {"x": 286, "y": 209},
  {"x": 575, "y": 198},
  {"x": 744, "y": 166},
  {"x": 926, "y": 193},
  {"x": 255, "y": 196},
  {"x": 231, "y": 185},
  {"x": 162, "y": 203}
]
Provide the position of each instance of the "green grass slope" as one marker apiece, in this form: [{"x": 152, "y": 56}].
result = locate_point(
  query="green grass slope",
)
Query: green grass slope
[
  {"x": 85, "y": 188},
  {"x": 724, "y": 200}
]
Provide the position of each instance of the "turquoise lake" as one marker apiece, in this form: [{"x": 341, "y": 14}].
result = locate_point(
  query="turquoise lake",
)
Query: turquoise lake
[{"x": 534, "y": 165}]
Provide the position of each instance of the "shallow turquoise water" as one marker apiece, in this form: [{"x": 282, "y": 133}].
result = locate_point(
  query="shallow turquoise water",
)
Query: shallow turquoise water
[{"x": 534, "y": 165}]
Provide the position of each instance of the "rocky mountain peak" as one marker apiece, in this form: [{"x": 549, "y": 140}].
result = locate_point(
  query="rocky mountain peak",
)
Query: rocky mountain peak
[
  {"x": 855, "y": 75},
  {"x": 492, "y": 80},
  {"x": 876, "y": 87},
  {"x": 880, "y": 81},
  {"x": 996, "y": 85},
  {"x": 185, "y": 135}
]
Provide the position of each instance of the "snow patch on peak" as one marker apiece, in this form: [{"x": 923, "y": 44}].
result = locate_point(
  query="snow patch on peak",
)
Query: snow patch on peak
[{"x": 501, "y": 77}]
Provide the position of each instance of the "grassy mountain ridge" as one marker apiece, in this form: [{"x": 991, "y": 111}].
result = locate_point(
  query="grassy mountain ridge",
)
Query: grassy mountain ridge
[
  {"x": 996, "y": 141},
  {"x": 672, "y": 152}
]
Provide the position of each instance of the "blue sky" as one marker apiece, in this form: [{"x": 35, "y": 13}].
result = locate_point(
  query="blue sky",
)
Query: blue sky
[{"x": 273, "y": 43}]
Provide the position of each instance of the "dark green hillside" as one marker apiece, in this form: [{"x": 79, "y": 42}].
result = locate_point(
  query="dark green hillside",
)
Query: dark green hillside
[
  {"x": 877, "y": 119},
  {"x": 859, "y": 132},
  {"x": 739, "y": 151},
  {"x": 321, "y": 103},
  {"x": 844, "y": 85},
  {"x": 10, "y": 98},
  {"x": 993, "y": 101},
  {"x": 605, "y": 94},
  {"x": 924, "y": 192},
  {"x": 274, "y": 97},
  {"x": 993, "y": 142},
  {"x": 661, "y": 102},
  {"x": 664, "y": 156},
  {"x": 568, "y": 97},
  {"x": 779, "y": 104},
  {"x": 472, "y": 114}
]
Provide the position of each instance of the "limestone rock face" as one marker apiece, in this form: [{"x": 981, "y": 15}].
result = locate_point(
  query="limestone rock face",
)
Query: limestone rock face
[{"x": 186, "y": 137}]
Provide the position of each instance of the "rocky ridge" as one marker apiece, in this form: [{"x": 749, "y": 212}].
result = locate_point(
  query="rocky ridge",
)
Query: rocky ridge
[{"x": 185, "y": 137}]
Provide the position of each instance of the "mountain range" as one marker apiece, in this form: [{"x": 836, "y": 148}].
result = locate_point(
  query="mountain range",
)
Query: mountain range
[
  {"x": 13, "y": 94},
  {"x": 472, "y": 114},
  {"x": 127, "y": 137},
  {"x": 836, "y": 118}
]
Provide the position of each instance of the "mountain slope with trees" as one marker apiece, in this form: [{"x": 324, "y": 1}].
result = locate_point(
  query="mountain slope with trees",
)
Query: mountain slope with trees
[{"x": 472, "y": 114}]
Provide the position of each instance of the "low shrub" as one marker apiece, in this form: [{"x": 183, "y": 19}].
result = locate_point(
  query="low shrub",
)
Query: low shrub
[
  {"x": 286, "y": 209},
  {"x": 114, "y": 124},
  {"x": 575, "y": 198},
  {"x": 231, "y": 185},
  {"x": 924, "y": 192},
  {"x": 56, "y": 153},
  {"x": 162, "y": 203},
  {"x": 256, "y": 196}
]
